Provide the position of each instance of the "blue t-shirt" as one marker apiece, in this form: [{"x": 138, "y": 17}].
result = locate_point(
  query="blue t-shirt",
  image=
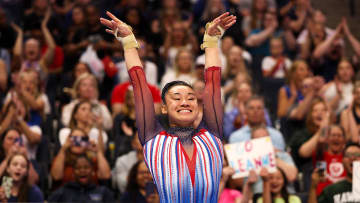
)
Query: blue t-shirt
[
  {"x": 34, "y": 195},
  {"x": 264, "y": 48}
]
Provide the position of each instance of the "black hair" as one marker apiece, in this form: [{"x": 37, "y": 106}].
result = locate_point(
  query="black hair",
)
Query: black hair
[
  {"x": 83, "y": 156},
  {"x": 2, "y": 150},
  {"x": 284, "y": 193},
  {"x": 132, "y": 186},
  {"x": 351, "y": 144},
  {"x": 169, "y": 85}
]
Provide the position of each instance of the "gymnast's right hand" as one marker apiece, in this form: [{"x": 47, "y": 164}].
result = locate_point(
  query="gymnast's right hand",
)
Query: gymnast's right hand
[{"x": 114, "y": 24}]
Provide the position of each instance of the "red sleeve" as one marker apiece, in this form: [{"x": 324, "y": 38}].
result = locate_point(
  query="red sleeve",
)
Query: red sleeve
[
  {"x": 213, "y": 108},
  {"x": 144, "y": 105},
  {"x": 155, "y": 94}
]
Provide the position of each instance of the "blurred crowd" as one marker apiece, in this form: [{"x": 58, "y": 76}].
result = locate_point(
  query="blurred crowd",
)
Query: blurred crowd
[{"x": 67, "y": 120}]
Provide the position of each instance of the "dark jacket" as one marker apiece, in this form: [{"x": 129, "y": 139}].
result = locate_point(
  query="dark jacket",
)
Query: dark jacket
[{"x": 74, "y": 192}]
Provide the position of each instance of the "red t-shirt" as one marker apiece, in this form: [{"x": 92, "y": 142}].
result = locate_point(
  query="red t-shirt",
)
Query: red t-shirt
[
  {"x": 118, "y": 94},
  {"x": 335, "y": 170},
  {"x": 58, "y": 59}
]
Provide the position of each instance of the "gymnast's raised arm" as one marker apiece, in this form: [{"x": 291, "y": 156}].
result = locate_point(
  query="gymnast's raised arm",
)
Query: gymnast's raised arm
[
  {"x": 144, "y": 105},
  {"x": 213, "y": 109}
]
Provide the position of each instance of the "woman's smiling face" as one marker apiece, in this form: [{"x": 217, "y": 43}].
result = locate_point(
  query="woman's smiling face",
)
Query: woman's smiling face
[{"x": 181, "y": 106}]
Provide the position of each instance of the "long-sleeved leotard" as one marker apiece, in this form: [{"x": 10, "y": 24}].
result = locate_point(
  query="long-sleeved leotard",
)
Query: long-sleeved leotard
[{"x": 179, "y": 178}]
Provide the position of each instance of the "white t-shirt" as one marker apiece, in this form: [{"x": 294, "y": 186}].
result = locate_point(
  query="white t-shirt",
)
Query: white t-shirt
[
  {"x": 150, "y": 72},
  {"x": 93, "y": 135},
  {"x": 269, "y": 62},
  {"x": 31, "y": 148},
  {"x": 346, "y": 96}
]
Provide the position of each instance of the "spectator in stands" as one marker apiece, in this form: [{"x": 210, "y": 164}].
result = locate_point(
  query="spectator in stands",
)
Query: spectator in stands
[
  {"x": 295, "y": 14},
  {"x": 305, "y": 140},
  {"x": 254, "y": 109},
  {"x": 86, "y": 88},
  {"x": 150, "y": 68},
  {"x": 84, "y": 117},
  {"x": 226, "y": 190},
  {"x": 275, "y": 189},
  {"x": 125, "y": 126},
  {"x": 183, "y": 68},
  {"x": 276, "y": 65},
  {"x": 76, "y": 40},
  {"x": 178, "y": 36},
  {"x": 254, "y": 20},
  {"x": 338, "y": 93},
  {"x": 236, "y": 63},
  {"x": 125, "y": 162},
  {"x": 353, "y": 41},
  {"x": 235, "y": 117},
  {"x": 29, "y": 54},
  {"x": 28, "y": 88},
  {"x": 258, "y": 40},
  {"x": 341, "y": 190},
  {"x": 283, "y": 161},
  {"x": 291, "y": 93},
  {"x": 329, "y": 150},
  {"x": 314, "y": 33},
  {"x": 76, "y": 144},
  {"x": 31, "y": 133},
  {"x": 82, "y": 189},
  {"x": 11, "y": 143},
  {"x": 310, "y": 90},
  {"x": 134, "y": 17},
  {"x": 119, "y": 99},
  {"x": 139, "y": 176},
  {"x": 21, "y": 190},
  {"x": 328, "y": 53},
  {"x": 68, "y": 81},
  {"x": 350, "y": 117},
  {"x": 230, "y": 88},
  {"x": 8, "y": 37}
]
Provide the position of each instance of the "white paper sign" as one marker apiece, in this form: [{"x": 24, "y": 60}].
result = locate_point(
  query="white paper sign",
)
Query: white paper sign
[
  {"x": 253, "y": 154},
  {"x": 356, "y": 178}
]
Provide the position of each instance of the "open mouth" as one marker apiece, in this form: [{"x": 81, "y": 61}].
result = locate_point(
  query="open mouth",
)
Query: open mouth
[
  {"x": 83, "y": 178},
  {"x": 17, "y": 174}
]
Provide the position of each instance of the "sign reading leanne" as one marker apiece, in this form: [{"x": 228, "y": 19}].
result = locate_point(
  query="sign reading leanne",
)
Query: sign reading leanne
[{"x": 253, "y": 154}]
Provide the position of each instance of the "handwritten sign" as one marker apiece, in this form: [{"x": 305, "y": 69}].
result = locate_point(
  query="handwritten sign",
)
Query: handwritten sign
[
  {"x": 356, "y": 178},
  {"x": 253, "y": 154}
]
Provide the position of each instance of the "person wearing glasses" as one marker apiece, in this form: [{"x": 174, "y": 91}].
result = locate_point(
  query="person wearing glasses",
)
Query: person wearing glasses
[{"x": 342, "y": 190}]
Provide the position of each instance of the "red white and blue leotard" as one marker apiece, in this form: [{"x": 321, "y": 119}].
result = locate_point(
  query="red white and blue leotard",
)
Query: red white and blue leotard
[{"x": 179, "y": 179}]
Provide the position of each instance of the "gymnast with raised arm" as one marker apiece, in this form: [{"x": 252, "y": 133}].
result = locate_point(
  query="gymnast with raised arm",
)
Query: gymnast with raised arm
[{"x": 185, "y": 160}]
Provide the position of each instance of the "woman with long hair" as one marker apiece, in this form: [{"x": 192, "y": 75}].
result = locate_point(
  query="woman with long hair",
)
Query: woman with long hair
[
  {"x": 179, "y": 142},
  {"x": 338, "y": 93},
  {"x": 138, "y": 177},
  {"x": 290, "y": 93},
  {"x": 275, "y": 188},
  {"x": 304, "y": 140},
  {"x": 183, "y": 68},
  {"x": 83, "y": 118},
  {"x": 86, "y": 88},
  {"x": 10, "y": 143},
  {"x": 17, "y": 188}
]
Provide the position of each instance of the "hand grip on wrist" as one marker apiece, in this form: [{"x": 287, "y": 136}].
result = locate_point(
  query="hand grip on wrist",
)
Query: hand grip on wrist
[
  {"x": 211, "y": 41},
  {"x": 129, "y": 41}
]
